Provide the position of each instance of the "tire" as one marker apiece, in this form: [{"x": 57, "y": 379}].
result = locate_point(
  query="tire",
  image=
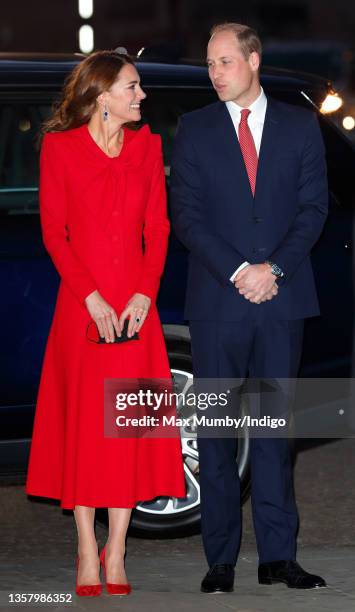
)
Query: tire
[{"x": 172, "y": 517}]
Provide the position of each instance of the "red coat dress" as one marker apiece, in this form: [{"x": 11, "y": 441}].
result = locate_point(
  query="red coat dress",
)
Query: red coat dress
[{"x": 95, "y": 212}]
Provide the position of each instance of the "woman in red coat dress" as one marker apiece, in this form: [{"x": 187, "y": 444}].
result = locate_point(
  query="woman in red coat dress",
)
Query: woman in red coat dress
[{"x": 102, "y": 194}]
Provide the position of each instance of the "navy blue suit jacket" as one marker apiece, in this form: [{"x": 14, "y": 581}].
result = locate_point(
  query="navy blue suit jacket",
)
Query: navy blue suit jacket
[{"x": 216, "y": 217}]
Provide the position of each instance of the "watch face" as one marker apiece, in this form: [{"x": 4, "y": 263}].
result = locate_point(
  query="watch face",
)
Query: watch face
[{"x": 275, "y": 269}]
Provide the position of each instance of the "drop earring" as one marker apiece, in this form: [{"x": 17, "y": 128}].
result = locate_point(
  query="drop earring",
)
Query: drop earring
[{"x": 105, "y": 113}]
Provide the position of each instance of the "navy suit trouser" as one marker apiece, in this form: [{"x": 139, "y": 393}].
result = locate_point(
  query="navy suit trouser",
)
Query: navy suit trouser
[{"x": 253, "y": 348}]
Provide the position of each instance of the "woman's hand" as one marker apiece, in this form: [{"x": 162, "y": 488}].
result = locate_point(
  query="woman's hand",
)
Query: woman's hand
[
  {"x": 104, "y": 316},
  {"x": 137, "y": 308}
]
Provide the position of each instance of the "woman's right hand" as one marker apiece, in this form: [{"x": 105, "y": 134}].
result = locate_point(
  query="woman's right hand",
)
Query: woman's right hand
[{"x": 104, "y": 316}]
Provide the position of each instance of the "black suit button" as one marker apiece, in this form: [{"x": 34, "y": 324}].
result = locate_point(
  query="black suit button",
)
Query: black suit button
[
  {"x": 254, "y": 250},
  {"x": 258, "y": 219}
]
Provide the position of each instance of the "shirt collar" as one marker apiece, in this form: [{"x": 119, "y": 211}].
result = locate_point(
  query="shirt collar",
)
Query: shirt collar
[{"x": 257, "y": 108}]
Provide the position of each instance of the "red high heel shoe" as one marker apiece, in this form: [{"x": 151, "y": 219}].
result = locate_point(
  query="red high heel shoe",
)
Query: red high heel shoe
[
  {"x": 86, "y": 590},
  {"x": 111, "y": 587}
]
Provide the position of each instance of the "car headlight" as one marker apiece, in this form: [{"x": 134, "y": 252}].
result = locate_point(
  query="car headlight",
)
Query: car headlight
[{"x": 331, "y": 103}]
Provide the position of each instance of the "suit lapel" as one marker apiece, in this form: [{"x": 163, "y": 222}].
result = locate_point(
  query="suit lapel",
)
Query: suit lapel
[
  {"x": 268, "y": 147},
  {"x": 227, "y": 145}
]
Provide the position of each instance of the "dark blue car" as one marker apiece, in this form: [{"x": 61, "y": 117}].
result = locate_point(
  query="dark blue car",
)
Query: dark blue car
[{"x": 28, "y": 85}]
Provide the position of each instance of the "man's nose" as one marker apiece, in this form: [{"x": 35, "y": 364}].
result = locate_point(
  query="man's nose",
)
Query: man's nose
[{"x": 215, "y": 73}]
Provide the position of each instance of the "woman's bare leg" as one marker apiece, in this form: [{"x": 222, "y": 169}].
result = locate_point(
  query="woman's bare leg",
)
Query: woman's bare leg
[
  {"x": 116, "y": 544},
  {"x": 89, "y": 568}
]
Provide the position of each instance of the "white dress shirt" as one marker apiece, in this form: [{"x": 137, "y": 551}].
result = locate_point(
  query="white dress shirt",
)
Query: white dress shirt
[{"x": 256, "y": 124}]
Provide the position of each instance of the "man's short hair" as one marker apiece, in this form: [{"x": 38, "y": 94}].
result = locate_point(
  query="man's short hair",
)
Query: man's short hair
[{"x": 247, "y": 37}]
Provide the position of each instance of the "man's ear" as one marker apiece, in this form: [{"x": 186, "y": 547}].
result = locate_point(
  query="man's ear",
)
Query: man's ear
[{"x": 254, "y": 60}]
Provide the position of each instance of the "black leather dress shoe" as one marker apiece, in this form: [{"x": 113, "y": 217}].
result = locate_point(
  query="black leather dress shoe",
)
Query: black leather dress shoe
[
  {"x": 219, "y": 579},
  {"x": 290, "y": 573}
]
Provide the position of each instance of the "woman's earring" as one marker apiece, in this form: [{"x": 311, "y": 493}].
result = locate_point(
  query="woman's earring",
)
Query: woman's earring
[{"x": 105, "y": 113}]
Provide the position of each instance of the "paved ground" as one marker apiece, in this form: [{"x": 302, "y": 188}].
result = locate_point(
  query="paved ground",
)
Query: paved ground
[{"x": 38, "y": 543}]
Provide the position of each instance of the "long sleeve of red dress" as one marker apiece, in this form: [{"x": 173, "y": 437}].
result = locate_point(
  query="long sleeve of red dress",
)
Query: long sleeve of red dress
[{"x": 53, "y": 213}]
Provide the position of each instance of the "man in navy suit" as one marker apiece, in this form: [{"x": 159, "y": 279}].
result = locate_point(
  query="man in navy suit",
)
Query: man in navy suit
[{"x": 249, "y": 200}]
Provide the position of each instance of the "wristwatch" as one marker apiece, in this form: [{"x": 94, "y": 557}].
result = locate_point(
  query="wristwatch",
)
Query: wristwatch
[{"x": 275, "y": 269}]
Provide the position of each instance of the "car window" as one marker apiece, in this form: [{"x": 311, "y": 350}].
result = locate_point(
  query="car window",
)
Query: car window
[
  {"x": 19, "y": 168},
  {"x": 340, "y": 154},
  {"x": 162, "y": 108}
]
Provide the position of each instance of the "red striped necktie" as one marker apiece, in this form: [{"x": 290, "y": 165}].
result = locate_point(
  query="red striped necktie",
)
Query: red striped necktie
[{"x": 248, "y": 148}]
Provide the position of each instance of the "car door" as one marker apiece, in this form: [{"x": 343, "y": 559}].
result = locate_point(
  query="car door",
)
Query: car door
[{"x": 27, "y": 276}]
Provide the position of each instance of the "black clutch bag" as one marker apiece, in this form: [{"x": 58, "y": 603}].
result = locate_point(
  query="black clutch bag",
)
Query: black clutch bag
[{"x": 92, "y": 334}]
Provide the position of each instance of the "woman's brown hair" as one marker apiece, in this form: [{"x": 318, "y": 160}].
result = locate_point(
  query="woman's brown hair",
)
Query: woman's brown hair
[{"x": 95, "y": 74}]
